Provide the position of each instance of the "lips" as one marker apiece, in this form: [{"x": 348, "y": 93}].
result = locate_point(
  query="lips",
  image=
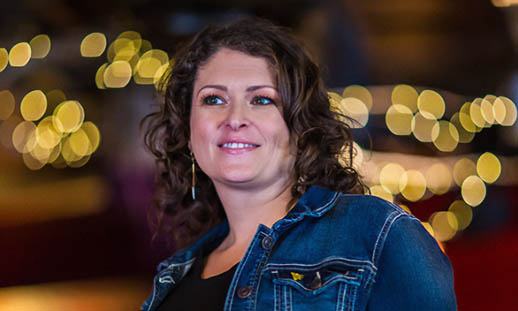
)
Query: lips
[{"x": 235, "y": 145}]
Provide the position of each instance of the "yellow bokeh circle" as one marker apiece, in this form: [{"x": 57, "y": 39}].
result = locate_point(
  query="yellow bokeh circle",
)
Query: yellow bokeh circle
[
  {"x": 431, "y": 104},
  {"x": 33, "y": 105},
  {"x": 463, "y": 212},
  {"x": 438, "y": 178},
  {"x": 355, "y": 109},
  {"x": 422, "y": 127},
  {"x": 390, "y": 176},
  {"x": 359, "y": 92},
  {"x": 412, "y": 185},
  {"x": 465, "y": 119},
  {"x": 117, "y": 74},
  {"x": 445, "y": 136},
  {"x": 473, "y": 190},
  {"x": 24, "y": 137},
  {"x": 405, "y": 95},
  {"x": 381, "y": 192},
  {"x": 4, "y": 59},
  {"x": 445, "y": 225},
  {"x": 93, "y": 45},
  {"x": 505, "y": 111},
  {"x": 40, "y": 46},
  {"x": 20, "y": 54},
  {"x": 68, "y": 116},
  {"x": 475, "y": 113},
  {"x": 488, "y": 167},
  {"x": 464, "y": 135},
  {"x": 463, "y": 168},
  {"x": 46, "y": 134},
  {"x": 399, "y": 119}
]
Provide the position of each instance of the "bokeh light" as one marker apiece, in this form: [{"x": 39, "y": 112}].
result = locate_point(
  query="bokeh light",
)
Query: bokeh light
[
  {"x": 505, "y": 111},
  {"x": 464, "y": 135},
  {"x": 7, "y": 104},
  {"x": 405, "y": 95},
  {"x": 438, "y": 178},
  {"x": 157, "y": 79},
  {"x": 356, "y": 110},
  {"x": 359, "y": 92},
  {"x": 80, "y": 143},
  {"x": 463, "y": 212},
  {"x": 4, "y": 59},
  {"x": 45, "y": 155},
  {"x": 444, "y": 224},
  {"x": 46, "y": 134},
  {"x": 33, "y": 105},
  {"x": 422, "y": 127},
  {"x": 40, "y": 46},
  {"x": 465, "y": 119},
  {"x": 445, "y": 136},
  {"x": 488, "y": 167},
  {"x": 412, "y": 185},
  {"x": 475, "y": 113},
  {"x": 381, "y": 192},
  {"x": 431, "y": 104},
  {"x": 473, "y": 190},
  {"x": 463, "y": 168},
  {"x": 390, "y": 176},
  {"x": 94, "y": 136},
  {"x": 20, "y": 54},
  {"x": 93, "y": 45},
  {"x": 486, "y": 109},
  {"x": 24, "y": 137},
  {"x": 117, "y": 74},
  {"x": 399, "y": 119},
  {"x": 99, "y": 77},
  {"x": 148, "y": 65},
  {"x": 68, "y": 116},
  {"x": 31, "y": 162}
]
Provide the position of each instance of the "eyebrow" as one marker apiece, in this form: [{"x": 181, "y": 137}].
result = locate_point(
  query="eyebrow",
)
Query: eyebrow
[{"x": 248, "y": 89}]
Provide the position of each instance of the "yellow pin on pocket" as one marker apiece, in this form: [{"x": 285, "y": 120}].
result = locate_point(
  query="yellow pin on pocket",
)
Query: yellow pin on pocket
[{"x": 296, "y": 276}]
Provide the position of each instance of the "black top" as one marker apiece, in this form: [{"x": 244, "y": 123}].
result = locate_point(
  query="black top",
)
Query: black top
[{"x": 195, "y": 293}]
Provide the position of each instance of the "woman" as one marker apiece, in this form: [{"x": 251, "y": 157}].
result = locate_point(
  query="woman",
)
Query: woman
[{"x": 266, "y": 215}]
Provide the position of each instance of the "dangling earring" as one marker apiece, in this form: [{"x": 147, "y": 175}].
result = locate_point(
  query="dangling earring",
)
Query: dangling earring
[{"x": 193, "y": 183}]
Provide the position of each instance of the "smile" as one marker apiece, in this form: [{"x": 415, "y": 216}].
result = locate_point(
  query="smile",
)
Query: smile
[{"x": 238, "y": 145}]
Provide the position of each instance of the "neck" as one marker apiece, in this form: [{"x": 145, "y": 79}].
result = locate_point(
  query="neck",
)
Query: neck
[{"x": 247, "y": 208}]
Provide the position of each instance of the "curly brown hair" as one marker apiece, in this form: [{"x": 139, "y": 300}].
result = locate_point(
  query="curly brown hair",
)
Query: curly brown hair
[{"x": 320, "y": 135}]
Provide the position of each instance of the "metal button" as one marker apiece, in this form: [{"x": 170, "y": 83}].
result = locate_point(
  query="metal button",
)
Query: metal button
[
  {"x": 267, "y": 242},
  {"x": 244, "y": 292}
]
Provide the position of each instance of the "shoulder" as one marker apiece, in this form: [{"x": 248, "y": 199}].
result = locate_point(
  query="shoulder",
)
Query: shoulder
[
  {"x": 368, "y": 222},
  {"x": 369, "y": 211}
]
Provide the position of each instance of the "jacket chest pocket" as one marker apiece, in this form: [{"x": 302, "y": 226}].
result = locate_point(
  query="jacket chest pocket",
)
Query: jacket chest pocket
[{"x": 326, "y": 286}]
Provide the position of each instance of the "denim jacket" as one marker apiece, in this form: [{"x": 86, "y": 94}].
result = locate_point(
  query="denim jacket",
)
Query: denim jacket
[{"x": 332, "y": 251}]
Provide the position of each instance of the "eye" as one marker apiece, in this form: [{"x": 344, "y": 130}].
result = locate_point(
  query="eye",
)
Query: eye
[
  {"x": 212, "y": 100},
  {"x": 262, "y": 100}
]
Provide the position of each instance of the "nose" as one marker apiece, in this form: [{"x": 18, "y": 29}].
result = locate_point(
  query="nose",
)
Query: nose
[{"x": 236, "y": 117}]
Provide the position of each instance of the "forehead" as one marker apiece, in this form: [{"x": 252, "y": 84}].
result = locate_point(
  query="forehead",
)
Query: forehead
[{"x": 234, "y": 67}]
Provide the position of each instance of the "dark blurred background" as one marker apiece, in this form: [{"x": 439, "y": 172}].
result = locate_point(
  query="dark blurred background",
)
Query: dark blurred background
[{"x": 76, "y": 78}]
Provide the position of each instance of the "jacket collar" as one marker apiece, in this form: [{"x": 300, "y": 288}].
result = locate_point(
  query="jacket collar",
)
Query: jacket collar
[{"x": 314, "y": 203}]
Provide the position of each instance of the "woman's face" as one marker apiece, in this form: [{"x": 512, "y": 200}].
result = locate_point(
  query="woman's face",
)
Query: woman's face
[{"x": 238, "y": 135}]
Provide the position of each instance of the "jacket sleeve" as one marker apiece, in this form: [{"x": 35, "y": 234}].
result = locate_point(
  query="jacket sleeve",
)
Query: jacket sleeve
[{"x": 413, "y": 273}]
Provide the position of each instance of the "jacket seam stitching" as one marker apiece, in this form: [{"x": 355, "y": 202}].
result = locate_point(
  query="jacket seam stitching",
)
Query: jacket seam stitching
[{"x": 380, "y": 240}]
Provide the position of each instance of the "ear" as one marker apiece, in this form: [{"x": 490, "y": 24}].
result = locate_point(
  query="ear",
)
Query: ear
[{"x": 189, "y": 145}]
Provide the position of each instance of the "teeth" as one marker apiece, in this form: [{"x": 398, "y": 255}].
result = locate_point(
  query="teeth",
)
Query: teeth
[{"x": 237, "y": 145}]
